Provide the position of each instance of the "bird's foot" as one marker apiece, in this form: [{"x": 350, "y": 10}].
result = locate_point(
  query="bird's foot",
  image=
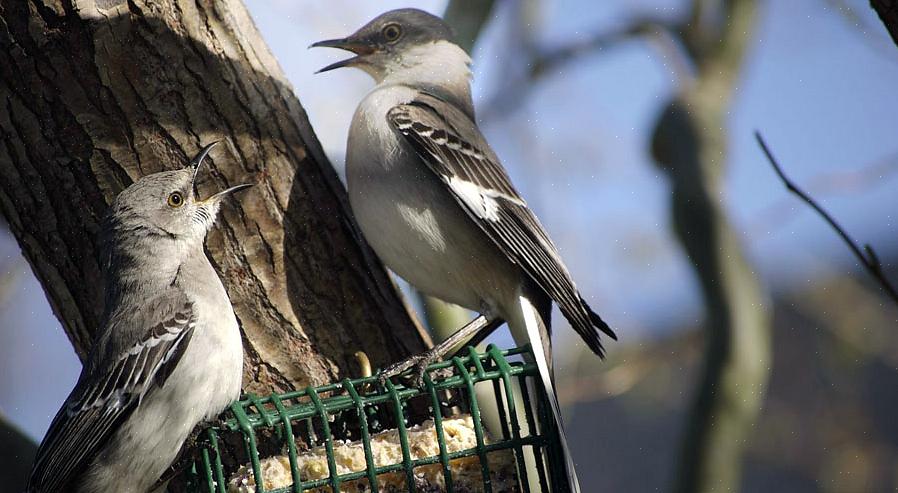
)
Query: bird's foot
[
  {"x": 418, "y": 363},
  {"x": 194, "y": 437}
]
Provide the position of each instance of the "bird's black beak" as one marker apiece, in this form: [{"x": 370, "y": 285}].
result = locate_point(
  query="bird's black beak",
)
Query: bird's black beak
[
  {"x": 356, "y": 46},
  {"x": 220, "y": 195},
  {"x": 197, "y": 161}
]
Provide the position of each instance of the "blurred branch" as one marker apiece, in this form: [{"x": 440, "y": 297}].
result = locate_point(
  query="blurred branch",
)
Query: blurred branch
[
  {"x": 443, "y": 319},
  {"x": 888, "y": 14},
  {"x": 862, "y": 28},
  {"x": 672, "y": 355},
  {"x": 547, "y": 61},
  {"x": 467, "y": 18},
  {"x": 840, "y": 304},
  {"x": 16, "y": 455},
  {"x": 863, "y": 179},
  {"x": 10, "y": 280},
  {"x": 867, "y": 255},
  {"x": 18, "y": 451},
  {"x": 551, "y": 59}
]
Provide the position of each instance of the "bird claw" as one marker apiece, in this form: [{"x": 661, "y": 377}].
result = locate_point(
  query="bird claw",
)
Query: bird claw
[{"x": 419, "y": 362}]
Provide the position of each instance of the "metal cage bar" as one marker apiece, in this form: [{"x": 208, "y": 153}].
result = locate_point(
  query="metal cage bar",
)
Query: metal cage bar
[{"x": 358, "y": 411}]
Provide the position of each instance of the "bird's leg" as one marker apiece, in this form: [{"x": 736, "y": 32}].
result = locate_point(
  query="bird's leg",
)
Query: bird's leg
[
  {"x": 479, "y": 337},
  {"x": 480, "y": 325}
]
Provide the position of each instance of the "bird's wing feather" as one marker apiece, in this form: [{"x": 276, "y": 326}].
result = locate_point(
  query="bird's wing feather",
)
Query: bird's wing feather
[
  {"x": 106, "y": 396},
  {"x": 452, "y": 147}
]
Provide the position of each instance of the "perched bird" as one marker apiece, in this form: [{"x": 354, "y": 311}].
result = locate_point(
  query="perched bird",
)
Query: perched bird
[
  {"x": 168, "y": 354},
  {"x": 434, "y": 202}
]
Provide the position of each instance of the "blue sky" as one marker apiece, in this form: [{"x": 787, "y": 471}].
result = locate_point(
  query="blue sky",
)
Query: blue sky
[{"x": 820, "y": 89}]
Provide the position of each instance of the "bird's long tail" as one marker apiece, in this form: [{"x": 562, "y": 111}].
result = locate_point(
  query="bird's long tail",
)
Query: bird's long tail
[{"x": 536, "y": 330}]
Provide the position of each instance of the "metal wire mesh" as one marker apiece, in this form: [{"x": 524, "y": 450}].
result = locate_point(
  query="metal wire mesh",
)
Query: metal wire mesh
[{"x": 298, "y": 423}]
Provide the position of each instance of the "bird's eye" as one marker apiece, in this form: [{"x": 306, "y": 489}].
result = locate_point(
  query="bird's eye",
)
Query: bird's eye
[
  {"x": 391, "y": 32},
  {"x": 175, "y": 199}
]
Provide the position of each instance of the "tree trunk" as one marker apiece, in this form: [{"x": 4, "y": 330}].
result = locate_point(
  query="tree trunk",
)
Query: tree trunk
[
  {"x": 888, "y": 14},
  {"x": 99, "y": 93},
  {"x": 689, "y": 144}
]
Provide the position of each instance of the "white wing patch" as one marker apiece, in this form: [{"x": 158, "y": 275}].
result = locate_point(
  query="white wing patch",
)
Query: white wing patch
[
  {"x": 426, "y": 224},
  {"x": 482, "y": 201}
]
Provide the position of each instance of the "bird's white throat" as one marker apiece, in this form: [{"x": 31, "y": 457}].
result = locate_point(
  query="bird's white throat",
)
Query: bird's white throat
[{"x": 441, "y": 64}]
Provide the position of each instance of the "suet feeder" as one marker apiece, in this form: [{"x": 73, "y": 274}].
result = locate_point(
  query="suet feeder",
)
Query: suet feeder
[{"x": 480, "y": 423}]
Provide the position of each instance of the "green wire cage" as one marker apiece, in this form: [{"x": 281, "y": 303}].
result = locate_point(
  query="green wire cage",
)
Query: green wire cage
[{"x": 479, "y": 423}]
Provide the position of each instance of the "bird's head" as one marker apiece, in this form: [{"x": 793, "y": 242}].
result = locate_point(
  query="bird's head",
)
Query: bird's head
[
  {"x": 399, "y": 40},
  {"x": 164, "y": 206}
]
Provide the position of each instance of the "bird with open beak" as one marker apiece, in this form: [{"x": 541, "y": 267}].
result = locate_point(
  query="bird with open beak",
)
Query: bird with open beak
[
  {"x": 437, "y": 206},
  {"x": 168, "y": 354}
]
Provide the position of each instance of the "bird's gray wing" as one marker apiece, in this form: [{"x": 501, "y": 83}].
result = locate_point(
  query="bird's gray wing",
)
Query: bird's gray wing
[
  {"x": 452, "y": 147},
  {"x": 111, "y": 388}
]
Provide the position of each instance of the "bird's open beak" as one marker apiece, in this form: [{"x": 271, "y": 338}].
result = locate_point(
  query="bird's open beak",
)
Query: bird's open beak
[
  {"x": 197, "y": 162},
  {"x": 220, "y": 195},
  {"x": 359, "y": 48}
]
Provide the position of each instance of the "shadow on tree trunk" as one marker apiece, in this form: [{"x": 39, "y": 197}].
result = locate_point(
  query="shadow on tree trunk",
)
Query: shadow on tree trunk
[{"x": 97, "y": 95}]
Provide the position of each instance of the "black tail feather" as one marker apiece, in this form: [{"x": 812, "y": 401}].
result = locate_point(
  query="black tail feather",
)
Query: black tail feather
[
  {"x": 585, "y": 322},
  {"x": 599, "y": 323}
]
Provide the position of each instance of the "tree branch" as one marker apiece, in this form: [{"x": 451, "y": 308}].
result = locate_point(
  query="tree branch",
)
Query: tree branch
[
  {"x": 888, "y": 13},
  {"x": 546, "y": 61},
  {"x": 97, "y": 94},
  {"x": 867, "y": 256}
]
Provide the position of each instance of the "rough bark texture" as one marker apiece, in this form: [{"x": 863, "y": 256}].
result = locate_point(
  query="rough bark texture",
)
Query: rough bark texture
[
  {"x": 888, "y": 14},
  {"x": 689, "y": 144},
  {"x": 98, "y": 93}
]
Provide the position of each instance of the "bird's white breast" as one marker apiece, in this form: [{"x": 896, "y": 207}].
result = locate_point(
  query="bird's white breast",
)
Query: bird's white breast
[{"x": 409, "y": 216}]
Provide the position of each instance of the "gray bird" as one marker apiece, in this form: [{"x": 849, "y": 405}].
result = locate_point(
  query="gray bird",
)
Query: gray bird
[
  {"x": 434, "y": 202},
  {"x": 168, "y": 354}
]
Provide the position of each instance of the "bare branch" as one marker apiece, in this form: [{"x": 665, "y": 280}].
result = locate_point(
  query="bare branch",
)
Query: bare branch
[{"x": 869, "y": 259}]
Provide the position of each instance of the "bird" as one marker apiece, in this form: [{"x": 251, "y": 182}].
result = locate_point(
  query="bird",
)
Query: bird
[
  {"x": 168, "y": 354},
  {"x": 435, "y": 203}
]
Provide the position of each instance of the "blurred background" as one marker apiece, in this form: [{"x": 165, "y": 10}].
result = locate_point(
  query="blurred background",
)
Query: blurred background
[{"x": 746, "y": 327}]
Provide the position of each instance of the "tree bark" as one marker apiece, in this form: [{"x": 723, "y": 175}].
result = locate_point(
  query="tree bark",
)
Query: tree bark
[
  {"x": 888, "y": 14},
  {"x": 98, "y": 93}
]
